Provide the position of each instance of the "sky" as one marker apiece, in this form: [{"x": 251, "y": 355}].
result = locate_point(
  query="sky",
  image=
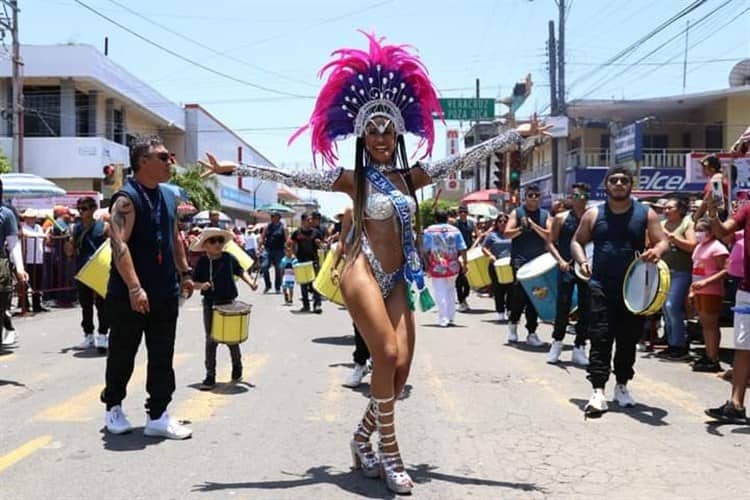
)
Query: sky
[{"x": 281, "y": 46}]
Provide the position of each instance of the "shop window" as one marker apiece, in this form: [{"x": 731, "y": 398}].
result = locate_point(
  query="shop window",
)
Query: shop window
[
  {"x": 715, "y": 137},
  {"x": 41, "y": 117}
]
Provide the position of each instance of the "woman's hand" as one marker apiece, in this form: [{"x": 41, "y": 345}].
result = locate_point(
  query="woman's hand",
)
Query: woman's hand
[
  {"x": 534, "y": 127},
  {"x": 697, "y": 285},
  {"x": 213, "y": 166}
]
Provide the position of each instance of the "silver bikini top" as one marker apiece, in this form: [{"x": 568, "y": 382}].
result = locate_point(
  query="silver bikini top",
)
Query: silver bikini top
[{"x": 379, "y": 206}]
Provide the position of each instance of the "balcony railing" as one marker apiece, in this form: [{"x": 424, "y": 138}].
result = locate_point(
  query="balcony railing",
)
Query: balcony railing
[{"x": 657, "y": 158}]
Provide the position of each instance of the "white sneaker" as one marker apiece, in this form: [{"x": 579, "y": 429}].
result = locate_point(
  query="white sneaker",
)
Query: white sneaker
[
  {"x": 356, "y": 376},
  {"x": 533, "y": 340},
  {"x": 501, "y": 317},
  {"x": 101, "y": 342},
  {"x": 443, "y": 322},
  {"x": 166, "y": 426},
  {"x": 88, "y": 341},
  {"x": 9, "y": 337},
  {"x": 640, "y": 347},
  {"x": 451, "y": 322},
  {"x": 597, "y": 404},
  {"x": 578, "y": 356},
  {"x": 463, "y": 307},
  {"x": 512, "y": 334},
  {"x": 116, "y": 421},
  {"x": 570, "y": 330},
  {"x": 553, "y": 356},
  {"x": 623, "y": 396}
]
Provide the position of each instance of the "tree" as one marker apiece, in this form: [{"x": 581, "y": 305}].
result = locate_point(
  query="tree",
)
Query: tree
[
  {"x": 427, "y": 212},
  {"x": 198, "y": 190},
  {"x": 5, "y": 166}
]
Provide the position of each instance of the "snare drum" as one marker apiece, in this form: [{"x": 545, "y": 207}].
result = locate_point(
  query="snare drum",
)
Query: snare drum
[
  {"x": 539, "y": 279},
  {"x": 645, "y": 287},
  {"x": 478, "y": 272},
  {"x": 504, "y": 271},
  {"x": 304, "y": 273},
  {"x": 323, "y": 282},
  {"x": 230, "y": 322},
  {"x": 95, "y": 273}
]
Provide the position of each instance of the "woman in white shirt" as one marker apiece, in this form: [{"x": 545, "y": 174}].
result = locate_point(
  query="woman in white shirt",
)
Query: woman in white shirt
[{"x": 33, "y": 251}]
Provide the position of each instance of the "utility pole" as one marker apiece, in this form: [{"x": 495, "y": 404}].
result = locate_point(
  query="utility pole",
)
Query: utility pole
[
  {"x": 552, "y": 53},
  {"x": 684, "y": 60},
  {"x": 9, "y": 23},
  {"x": 560, "y": 148}
]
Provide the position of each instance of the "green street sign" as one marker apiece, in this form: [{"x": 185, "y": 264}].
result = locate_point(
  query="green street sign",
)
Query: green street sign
[{"x": 468, "y": 109}]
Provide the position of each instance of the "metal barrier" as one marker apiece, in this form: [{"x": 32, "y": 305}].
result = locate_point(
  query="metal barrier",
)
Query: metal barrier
[{"x": 51, "y": 267}]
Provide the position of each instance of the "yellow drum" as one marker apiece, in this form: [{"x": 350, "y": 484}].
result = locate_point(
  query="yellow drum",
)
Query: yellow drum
[
  {"x": 323, "y": 282},
  {"x": 245, "y": 261},
  {"x": 230, "y": 322},
  {"x": 645, "y": 287},
  {"x": 304, "y": 273},
  {"x": 478, "y": 272},
  {"x": 95, "y": 273},
  {"x": 504, "y": 271}
]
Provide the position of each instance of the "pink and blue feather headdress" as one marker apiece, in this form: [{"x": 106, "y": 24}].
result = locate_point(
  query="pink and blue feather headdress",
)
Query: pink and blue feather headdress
[{"x": 386, "y": 81}]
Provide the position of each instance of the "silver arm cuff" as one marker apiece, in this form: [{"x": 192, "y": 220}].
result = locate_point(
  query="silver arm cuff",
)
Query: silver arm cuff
[
  {"x": 319, "y": 179},
  {"x": 442, "y": 168}
]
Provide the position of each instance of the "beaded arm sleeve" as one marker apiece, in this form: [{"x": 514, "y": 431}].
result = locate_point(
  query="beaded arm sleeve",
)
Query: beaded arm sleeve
[
  {"x": 319, "y": 179},
  {"x": 442, "y": 168}
]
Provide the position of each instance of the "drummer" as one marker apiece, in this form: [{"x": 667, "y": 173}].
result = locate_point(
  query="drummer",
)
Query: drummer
[
  {"x": 528, "y": 228},
  {"x": 306, "y": 241},
  {"x": 496, "y": 246},
  {"x": 214, "y": 277},
  {"x": 564, "y": 226},
  {"x": 618, "y": 229}
]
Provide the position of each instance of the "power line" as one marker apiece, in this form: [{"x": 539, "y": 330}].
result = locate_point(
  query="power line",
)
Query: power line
[
  {"x": 635, "y": 45},
  {"x": 210, "y": 49},
  {"x": 188, "y": 60},
  {"x": 700, "y": 21}
]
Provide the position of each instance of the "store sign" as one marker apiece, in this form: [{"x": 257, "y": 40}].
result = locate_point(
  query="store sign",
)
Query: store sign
[
  {"x": 236, "y": 196},
  {"x": 651, "y": 179},
  {"x": 629, "y": 143}
]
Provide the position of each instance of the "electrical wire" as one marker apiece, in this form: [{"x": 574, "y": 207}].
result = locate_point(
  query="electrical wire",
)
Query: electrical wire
[{"x": 188, "y": 60}]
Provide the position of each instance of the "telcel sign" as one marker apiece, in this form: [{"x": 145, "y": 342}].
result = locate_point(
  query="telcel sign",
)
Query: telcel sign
[{"x": 652, "y": 179}]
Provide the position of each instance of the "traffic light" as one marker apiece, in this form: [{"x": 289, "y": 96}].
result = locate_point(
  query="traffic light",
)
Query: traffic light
[
  {"x": 499, "y": 171},
  {"x": 515, "y": 170},
  {"x": 109, "y": 174}
]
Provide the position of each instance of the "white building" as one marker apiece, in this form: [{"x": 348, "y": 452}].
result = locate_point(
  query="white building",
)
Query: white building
[{"x": 81, "y": 109}]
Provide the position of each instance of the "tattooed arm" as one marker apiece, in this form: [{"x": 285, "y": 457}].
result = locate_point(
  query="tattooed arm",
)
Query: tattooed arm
[{"x": 121, "y": 224}]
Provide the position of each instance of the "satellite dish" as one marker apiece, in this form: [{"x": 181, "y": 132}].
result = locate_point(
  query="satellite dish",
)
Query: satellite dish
[{"x": 740, "y": 74}]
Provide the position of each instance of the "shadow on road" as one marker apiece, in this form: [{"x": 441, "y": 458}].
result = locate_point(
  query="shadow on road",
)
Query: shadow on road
[
  {"x": 712, "y": 427},
  {"x": 353, "y": 482},
  {"x": 646, "y": 414},
  {"x": 11, "y": 382},
  {"x": 477, "y": 311},
  {"x": 131, "y": 441},
  {"x": 339, "y": 340},
  {"x": 226, "y": 388},
  {"x": 523, "y": 346},
  {"x": 438, "y": 325}
]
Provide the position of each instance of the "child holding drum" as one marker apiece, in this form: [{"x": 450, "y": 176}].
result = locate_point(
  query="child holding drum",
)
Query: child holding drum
[
  {"x": 288, "y": 261},
  {"x": 214, "y": 276},
  {"x": 707, "y": 292}
]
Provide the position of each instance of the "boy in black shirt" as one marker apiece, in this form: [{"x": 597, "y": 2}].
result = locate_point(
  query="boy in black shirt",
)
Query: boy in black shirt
[{"x": 214, "y": 276}]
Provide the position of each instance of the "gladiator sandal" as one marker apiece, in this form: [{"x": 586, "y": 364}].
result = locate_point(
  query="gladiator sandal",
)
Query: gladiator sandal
[
  {"x": 363, "y": 456},
  {"x": 391, "y": 467}
]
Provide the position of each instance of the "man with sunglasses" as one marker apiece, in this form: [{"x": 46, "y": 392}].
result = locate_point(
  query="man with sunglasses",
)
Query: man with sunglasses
[
  {"x": 528, "y": 227},
  {"x": 143, "y": 290},
  {"x": 306, "y": 243},
  {"x": 564, "y": 226},
  {"x": 618, "y": 229},
  {"x": 86, "y": 237}
]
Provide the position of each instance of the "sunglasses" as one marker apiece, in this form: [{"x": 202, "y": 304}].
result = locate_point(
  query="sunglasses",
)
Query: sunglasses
[
  {"x": 164, "y": 157},
  {"x": 619, "y": 180},
  {"x": 532, "y": 196},
  {"x": 86, "y": 208},
  {"x": 214, "y": 240}
]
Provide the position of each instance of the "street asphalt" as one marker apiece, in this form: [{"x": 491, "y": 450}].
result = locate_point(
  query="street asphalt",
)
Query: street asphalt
[{"x": 478, "y": 419}]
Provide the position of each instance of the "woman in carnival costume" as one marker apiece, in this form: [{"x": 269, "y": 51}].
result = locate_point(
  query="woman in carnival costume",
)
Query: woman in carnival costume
[{"x": 378, "y": 96}]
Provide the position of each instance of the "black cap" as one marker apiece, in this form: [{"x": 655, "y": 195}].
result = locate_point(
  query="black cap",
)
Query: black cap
[
  {"x": 712, "y": 162},
  {"x": 463, "y": 208}
]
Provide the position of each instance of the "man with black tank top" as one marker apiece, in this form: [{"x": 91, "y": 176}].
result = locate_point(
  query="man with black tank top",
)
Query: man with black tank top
[
  {"x": 272, "y": 241},
  {"x": 143, "y": 291},
  {"x": 564, "y": 226},
  {"x": 618, "y": 229},
  {"x": 528, "y": 228}
]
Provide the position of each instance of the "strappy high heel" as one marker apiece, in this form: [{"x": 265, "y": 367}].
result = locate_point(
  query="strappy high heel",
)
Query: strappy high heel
[
  {"x": 363, "y": 456},
  {"x": 391, "y": 467}
]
